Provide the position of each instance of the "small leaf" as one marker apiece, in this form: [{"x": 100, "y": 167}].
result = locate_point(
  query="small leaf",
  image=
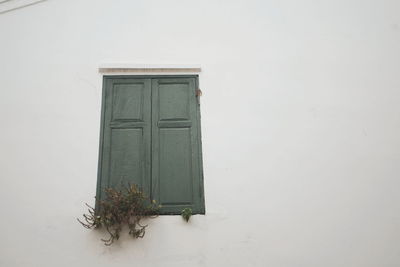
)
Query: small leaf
[{"x": 186, "y": 214}]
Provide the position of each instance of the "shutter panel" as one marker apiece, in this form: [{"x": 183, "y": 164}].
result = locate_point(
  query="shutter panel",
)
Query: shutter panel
[
  {"x": 126, "y": 125},
  {"x": 176, "y": 159}
]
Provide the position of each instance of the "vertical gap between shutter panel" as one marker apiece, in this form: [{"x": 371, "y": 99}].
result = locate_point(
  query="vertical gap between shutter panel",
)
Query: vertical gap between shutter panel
[{"x": 151, "y": 141}]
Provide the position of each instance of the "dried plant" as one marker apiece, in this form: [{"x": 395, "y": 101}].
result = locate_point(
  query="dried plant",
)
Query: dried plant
[{"x": 121, "y": 207}]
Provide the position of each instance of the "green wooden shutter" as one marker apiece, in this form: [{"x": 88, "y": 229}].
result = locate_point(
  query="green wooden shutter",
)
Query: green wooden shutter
[
  {"x": 126, "y": 147},
  {"x": 151, "y": 137},
  {"x": 176, "y": 173}
]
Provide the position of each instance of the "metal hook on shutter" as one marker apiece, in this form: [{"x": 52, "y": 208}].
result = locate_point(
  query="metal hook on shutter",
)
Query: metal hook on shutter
[{"x": 199, "y": 92}]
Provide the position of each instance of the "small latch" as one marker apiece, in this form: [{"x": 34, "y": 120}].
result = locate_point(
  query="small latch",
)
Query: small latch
[{"x": 199, "y": 92}]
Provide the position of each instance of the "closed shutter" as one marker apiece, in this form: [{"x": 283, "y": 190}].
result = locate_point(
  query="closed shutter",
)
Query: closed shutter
[
  {"x": 125, "y": 147},
  {"x": 175, "y": 145},
  {"x": 151, "y": 137}
]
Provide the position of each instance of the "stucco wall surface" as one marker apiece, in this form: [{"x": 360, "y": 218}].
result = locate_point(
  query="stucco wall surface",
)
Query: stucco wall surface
[{"x": 300, "y": 124}]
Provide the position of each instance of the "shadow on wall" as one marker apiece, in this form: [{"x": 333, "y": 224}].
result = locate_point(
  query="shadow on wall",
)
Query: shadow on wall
[{"x": 10, "y": 5}]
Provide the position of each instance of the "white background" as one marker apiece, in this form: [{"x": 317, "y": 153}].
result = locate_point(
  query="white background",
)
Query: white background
[{"x": 300, "y": 124}]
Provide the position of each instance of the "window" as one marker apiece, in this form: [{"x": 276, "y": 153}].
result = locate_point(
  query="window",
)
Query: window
[{"x": 150, "y": 136}]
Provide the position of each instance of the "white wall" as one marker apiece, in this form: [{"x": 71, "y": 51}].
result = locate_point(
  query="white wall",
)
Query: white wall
[{"x": 300, "y": 122}]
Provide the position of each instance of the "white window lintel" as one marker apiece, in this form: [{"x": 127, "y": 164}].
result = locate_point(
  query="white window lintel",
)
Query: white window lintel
[{"x": 148, "y": 69}]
